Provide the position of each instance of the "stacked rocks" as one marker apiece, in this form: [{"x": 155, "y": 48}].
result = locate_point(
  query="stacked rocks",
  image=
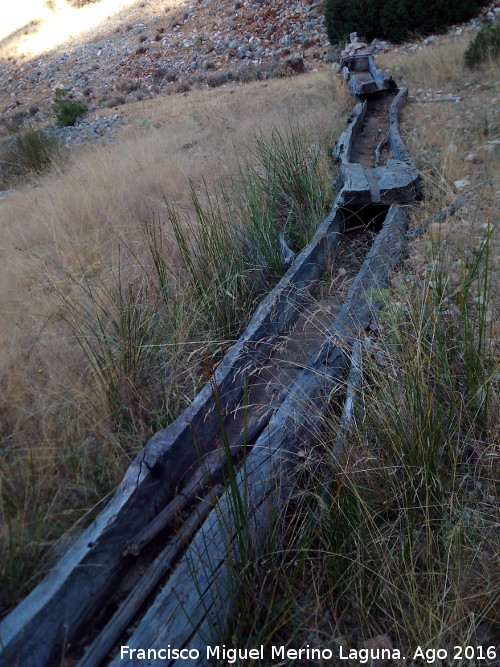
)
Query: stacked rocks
[{"x": 354, "y": 47}]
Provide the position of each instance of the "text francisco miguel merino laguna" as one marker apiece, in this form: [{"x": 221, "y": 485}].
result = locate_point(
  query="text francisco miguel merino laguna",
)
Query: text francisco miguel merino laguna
[{"x": 230, "y": 655}]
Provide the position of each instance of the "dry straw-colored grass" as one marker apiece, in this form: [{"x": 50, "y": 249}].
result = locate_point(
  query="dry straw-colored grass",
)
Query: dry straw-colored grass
[{"x": 76, "y": 280}]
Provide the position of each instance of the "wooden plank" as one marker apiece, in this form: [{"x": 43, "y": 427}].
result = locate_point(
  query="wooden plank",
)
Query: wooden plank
[
  {"x": 106, "y": 639},
  {"x": 442, "y": 215},
  {"x": 383, "y": 81},
  {"x": 211, "y": 470},
  {"x": 197, "y": 597},
  {"x": 347, "y": 418},
  {"x": 343, "y": 148}
]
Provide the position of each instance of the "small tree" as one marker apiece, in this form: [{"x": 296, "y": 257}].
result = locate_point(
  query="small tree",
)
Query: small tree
[
  {"x": 65, "y": 110},
  {"x": 485, "y": 45}
]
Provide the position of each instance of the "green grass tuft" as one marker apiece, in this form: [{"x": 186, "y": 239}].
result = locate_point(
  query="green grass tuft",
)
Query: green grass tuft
[{"x": 30, "y": 151}]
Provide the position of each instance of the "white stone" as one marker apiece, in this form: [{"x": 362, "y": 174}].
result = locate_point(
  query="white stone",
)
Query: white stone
[
  {"x": 461, "y": 184},
  {"x": 487, "y": 148}
]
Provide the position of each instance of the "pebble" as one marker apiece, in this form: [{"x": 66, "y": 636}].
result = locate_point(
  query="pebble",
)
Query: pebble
[{"x": 461, "y": 184}]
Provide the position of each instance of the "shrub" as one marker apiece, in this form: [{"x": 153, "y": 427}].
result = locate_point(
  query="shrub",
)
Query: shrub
[
  {"x": 394, "y": 19},
  {"x": 65, "y": 110},
  {"x": 182, "y": 87},
  {"x": 35, "y": 147},
  {"x": 110, "y": 102},
  {"x": 159, "y": 74},
  {"x": 217, "y": 79},
  {"x": 81, "y": 3},
  {"x": 31, "y": 150},
  {"x": 485, "y": 45},
  {"x": 250, "y": 72}
]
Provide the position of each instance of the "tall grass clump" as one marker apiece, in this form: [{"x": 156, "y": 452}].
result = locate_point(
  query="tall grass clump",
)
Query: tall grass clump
[
  {"x": 122, "y": 319},
  {"x": 30, "y": 151},
  {"x": 396, "y": 542},
  {"x": 294, "y": 178},
  {"x": 35, "y": 148},
  {"x": 231, "y": 253}
]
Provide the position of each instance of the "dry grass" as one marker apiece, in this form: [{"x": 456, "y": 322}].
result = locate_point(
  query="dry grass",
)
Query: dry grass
[
  {"x": 76, "y": 276},
  {"x": 441, "y": 135}
]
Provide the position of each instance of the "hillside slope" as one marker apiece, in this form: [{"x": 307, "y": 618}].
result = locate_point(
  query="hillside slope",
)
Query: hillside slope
[{"x": 110, "y": 53}]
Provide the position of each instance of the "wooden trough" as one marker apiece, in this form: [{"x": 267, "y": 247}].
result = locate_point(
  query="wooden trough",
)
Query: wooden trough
[{"x": 195, "y": 599}]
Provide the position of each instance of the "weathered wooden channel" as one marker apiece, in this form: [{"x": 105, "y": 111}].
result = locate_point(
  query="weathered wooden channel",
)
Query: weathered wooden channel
[{"x": 265, "y": 400}]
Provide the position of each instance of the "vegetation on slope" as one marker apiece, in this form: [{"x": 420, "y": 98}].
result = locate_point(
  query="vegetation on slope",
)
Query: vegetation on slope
[
  {"x": 484, "y": 46},
  {"x": 394, "y": 20}
]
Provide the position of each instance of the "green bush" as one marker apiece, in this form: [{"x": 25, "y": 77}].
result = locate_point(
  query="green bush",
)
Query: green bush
[
  {"x": 485, "y": 45},
  {"x": 395, "y": 20},
  {"x": 66, "y": 110},
  {"x": 345, "y": 16}
]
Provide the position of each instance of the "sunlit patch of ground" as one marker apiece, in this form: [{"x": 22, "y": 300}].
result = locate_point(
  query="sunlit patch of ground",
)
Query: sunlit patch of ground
[{"x": 32, "y": 27}]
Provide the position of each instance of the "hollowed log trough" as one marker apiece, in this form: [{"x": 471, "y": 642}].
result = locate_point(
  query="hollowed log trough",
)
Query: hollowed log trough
[{"x": 197, "y": 595}]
